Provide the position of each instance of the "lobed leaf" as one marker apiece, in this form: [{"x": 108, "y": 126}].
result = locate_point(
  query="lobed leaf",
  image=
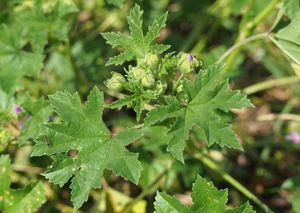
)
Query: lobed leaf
[
  {"x": 82, "y": 146},
  {"x": 206, "y": 198},
  {"x": 28, "y": 199},
  {"x": 207, "y": 94},
  {"x": 137, "y": 45},
  {"x": 288, "y": 39}
]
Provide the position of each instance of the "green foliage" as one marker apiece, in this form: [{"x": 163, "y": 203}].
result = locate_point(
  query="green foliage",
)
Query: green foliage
[
  {"x": 28, "y": 199},
  {"x": 204, "y": 96},
  {"x": 117, "y": 3},
  {"x": 137, "y": 45},
  {"x": 288, "y": 39},
  {"x": 291, "y": 8},
  {"x": 23, "y": 39},
  {"x": 186, "y": 101},
  {"x": 82, "y": 147},
  {"x": 206, "y": 198},
  {"x": 296, "y": 201},
  {"x": 39, "y": 112}
]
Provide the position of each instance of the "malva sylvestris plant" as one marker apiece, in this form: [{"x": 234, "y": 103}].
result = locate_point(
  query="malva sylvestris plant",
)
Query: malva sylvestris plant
[
  {"x": 181, "y": 94},
  {"x": 168, "y": 90}
]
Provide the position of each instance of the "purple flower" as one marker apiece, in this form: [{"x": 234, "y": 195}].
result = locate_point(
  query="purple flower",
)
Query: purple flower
[
  {"x": 294, "y": 137},
  {"x": 190, "y": 57},
  {"x": 17, "y": 109},
  {"x": 50, "y": 118}
]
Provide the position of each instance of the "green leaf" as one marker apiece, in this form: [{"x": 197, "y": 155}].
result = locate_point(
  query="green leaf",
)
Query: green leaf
[
  {"x": 84, "y": 134},
  {"x": 145, "y": 43},
  {"x": 117, "y": 3},
  {"x": 206, "y": 198},
  {"x": 296, "y": 201},
  {"x": 291, "y": 8},
  {"x": 288, "y": 39},
  {"x": 126, "y": 101},
  {"x": 22, "y": 40},
  {"x": 39, "y": 112},
  {"x": 28, "y": 199},
  {"x": 15, "y": 60},
  {"x": 206, "y": 94}
]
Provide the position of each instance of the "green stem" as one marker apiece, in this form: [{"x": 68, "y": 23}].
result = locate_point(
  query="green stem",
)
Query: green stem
[
  {"x": 153, "y": 186},
  {"x": 286, "y": 109},
  {"x": 270, "y": 83},
  {"x": 261, "y": 16},
  {"x": 240, "y": 44},
  {"x": 246, "y": 30},
  {"x": 177, "y": 83},
  {"x": 227, "y": 177},
  {"x": 282, "y": 117},
  {"x": 26, "y": 168}
]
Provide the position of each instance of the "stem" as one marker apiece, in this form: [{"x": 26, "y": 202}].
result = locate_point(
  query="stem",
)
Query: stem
[
  {"x": 177, "y": 82},
  {"x": 286, "y": 109},
  {"x": 240, "y": 44},
  {"x": 227, "y": 177},
  {"x": 146, "y": 192},
  {"x": 25, "y": 168},
  {"x": 261, "y": 16},
  {"x": 283, "y": 116},
  {"x": 270, "y": 83},
  {"x": 119, "y": 95},
  {"x": 246, "y": 30}
]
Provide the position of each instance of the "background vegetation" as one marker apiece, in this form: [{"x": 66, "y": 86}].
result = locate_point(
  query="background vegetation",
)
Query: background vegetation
[{"x": 55, "y": 45}]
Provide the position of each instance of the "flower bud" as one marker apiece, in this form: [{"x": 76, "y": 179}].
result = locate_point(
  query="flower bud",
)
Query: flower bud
[
  {"x": 159, "y": 88},
  {"x": 148, "y": 79},
  {"x": 179, "y": 89},
  {"x": 184, "y": 62},
  {"x": 136, "y": 73},
  {"x": 115, "y": 82},
  {"x": 187, "y": 62},
  {"x": 145, "y": 77},
  {"x": 151, "y": 60}
]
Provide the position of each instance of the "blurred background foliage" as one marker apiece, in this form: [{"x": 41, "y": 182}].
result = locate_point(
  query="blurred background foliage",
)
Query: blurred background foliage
[{"x": 53, "y": 45}]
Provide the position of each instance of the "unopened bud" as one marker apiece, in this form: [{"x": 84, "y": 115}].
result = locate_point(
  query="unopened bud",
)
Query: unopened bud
[
  {"x": 145, "y": 77},
  {"x": 151, "y": 60},
  {"x": 148, "y": 79},
  {"x": 115, "y": 82},
  {"x": 187, "y": 63},
  {"x": 179, "y": 89},
  {"x": 159, "y": 88}
]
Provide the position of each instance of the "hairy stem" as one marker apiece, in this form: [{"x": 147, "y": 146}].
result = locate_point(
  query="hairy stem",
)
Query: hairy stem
[
  {"x": 177, "y": 83},
  {"x": 152, "y": 187},
  {"x": 282, "y": 116},
  {"x": 246, "y": 30},
  {"x": 240, "y": 44},
  {"x": 270, "y": 83}
]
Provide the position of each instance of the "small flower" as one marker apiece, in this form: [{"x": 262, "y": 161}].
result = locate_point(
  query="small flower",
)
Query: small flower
[
  {"x": 190, "y": 57},
  {"x": 294, "y": 137},
  {"x": 187, "y": 62},
  {"x": 17, "y": 109},
  {"x": 50, "y": 118}
]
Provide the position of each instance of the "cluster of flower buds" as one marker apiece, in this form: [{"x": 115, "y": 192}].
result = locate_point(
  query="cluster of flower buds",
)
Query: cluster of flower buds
[
  {"x": 144, "y": 73},
  {"x": 187, "y": 63},
  {"x": 148, "y": 73}
]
